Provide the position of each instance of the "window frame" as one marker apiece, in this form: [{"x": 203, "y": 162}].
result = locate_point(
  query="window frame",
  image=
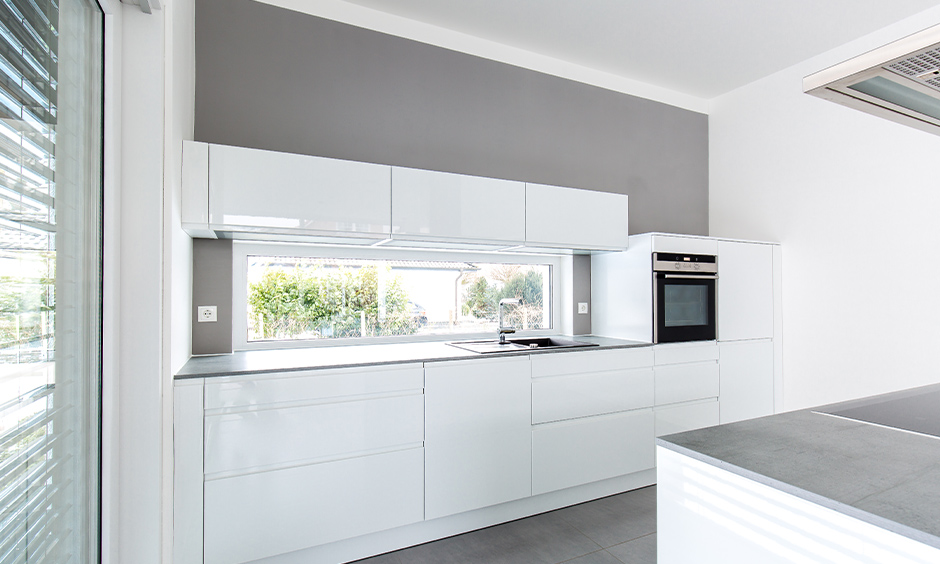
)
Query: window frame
[{"x": 241, "y": 250}]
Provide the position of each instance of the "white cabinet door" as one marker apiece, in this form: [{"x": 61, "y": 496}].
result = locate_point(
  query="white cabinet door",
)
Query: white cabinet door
[
  {"x": 745, "y": 291},
  {"x": 681, "y": 417},
  {"x": 747, "y": 380},
  {"x": 575, "y": 219},
  {"x": 429, "y": 205},
  {"x": 580, "y": 451},
  {"x": 478, "y": 440},
  {"x": 270, "y": 192},
  {"x": 686, "y": 382}
]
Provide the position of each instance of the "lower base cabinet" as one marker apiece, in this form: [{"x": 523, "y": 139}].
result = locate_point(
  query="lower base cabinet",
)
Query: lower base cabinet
[
  {"x": 268, "y": 513},
  {"x": 579, "y": 451},
  {"x": 747, "y": 379},
  {"x": 681, "y": 417},
  {"x": 478, "y": 440}
]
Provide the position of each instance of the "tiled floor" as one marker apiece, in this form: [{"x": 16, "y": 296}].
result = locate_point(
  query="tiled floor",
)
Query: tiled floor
[{"x": 620, "y": 529}]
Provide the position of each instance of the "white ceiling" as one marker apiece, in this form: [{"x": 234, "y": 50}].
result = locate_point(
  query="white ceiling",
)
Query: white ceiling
[{"x": 701, "y": 48}]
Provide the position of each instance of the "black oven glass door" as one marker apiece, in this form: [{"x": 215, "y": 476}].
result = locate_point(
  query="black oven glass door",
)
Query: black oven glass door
[{"x": 685, "y": 308}]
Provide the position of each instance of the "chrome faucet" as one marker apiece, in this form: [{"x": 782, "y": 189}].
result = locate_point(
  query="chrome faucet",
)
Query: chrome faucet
[{"x": 502, "y": 331}]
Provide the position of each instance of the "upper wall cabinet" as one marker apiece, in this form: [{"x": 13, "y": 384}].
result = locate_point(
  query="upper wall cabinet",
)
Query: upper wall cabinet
[
  {"x": 439, "y": 206},
  {"x": 250, "y": 191},
  {"x": 575, "y": 219}
]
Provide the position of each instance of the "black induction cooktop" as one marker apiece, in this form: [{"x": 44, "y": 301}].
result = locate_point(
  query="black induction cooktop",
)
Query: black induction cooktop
[{"x": 916, "y": 410}]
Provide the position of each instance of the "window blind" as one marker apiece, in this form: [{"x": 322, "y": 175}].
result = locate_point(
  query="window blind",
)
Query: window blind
[{"x": 50, "y": 233}]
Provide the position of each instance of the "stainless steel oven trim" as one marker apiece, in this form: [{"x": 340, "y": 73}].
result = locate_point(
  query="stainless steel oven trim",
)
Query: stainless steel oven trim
[
  {"x": 671, "y": 266},
  {"x": 693, "y": 276}
]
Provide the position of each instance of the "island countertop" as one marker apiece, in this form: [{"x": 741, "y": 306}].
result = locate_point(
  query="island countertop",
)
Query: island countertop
[
  {"x": 324, "y": 357},
  {"x": 884, "y": 476}
]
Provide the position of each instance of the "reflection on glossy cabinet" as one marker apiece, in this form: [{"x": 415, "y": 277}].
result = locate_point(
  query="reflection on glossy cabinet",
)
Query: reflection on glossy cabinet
[
  {"x": 272, "y": 192},
  {"x": 478, "y": 441},
  {"x": 745, "y": 291},
  {"x": 747, "y": 380},
  {"x": 576, "y": 219},
  {"x": 429, "y": 205}
]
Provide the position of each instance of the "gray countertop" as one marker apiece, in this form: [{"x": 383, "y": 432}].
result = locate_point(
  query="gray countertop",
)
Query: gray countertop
[
  {"x": 279, "y": 360},
  {"x": 883, "y": 476}
]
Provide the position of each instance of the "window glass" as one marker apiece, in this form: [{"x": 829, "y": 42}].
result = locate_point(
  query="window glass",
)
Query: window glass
[{"x": 329, "y": 298}]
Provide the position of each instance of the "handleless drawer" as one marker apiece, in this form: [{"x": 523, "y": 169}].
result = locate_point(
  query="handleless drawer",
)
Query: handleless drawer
[
  {"x": 678, "y": 353},
  {"x": 251, "y": 440},
  {"x": 584, "y": 361},
  {"x": 556, "y": 398},
  {"x": 686, "y": 382},
  {"x": 688, "y": 416},
  {"x": 290, "y": 388}
]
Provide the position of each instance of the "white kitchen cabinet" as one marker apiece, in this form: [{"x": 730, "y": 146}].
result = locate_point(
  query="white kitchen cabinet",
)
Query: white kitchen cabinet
[
  {"x": 478, "y": 434},
  {"x": 745, "y": 291},
  {"x": 575, "y": 219},
  {"x": 588, "y": 449},
  {"x": 256, "y": 193},
  {"x": 431, "y": 206},
  {"x": 303, "y": 458},
  {"x": 747, "y": 379},
  {"x": 685, "y": 371},
  {"x": 687, "y": 416},
  {"x": 662, "y": 243}
]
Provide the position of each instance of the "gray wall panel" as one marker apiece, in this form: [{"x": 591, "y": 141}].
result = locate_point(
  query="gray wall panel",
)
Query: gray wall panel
[
  {"x": 274, "y": 79},
  {"x": 212, "y": 285}
]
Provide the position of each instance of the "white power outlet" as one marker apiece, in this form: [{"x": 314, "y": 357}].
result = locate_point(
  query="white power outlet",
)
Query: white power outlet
[
  {"x": 207, "y": 314},
  {"x": 582, "y": 307}
]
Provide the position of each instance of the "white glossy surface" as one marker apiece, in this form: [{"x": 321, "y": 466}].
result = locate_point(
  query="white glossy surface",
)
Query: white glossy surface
[
  {"x": 187, "y": 471},
  {"x": 587, "y": 360},
  {"x": 580, "y": 451},
  {"x": 745, "y": 291},
  {"x": 256, "y": 190},
  {"x": 686, "y": 382},
  {"x": 622, "y": 292},
  {"x": 678, "y": 353},
  {"x": 269, "y": 513},
  {"x": 293, "y": 387},
  {"x": 429, "y": 204},
  {"x": 680, "y": 417},
  {"x": 577, "y": 219},
  {"x": 256, "y": 439},
  {"x": 690, "y": 245},
  {"x": 195, "y": 189},
  {"x": 747, "y": 380},
  {"x": 711, "y": 516},
  {"x": 478, "y": 434},
  {"x": 590, "y": 393}
]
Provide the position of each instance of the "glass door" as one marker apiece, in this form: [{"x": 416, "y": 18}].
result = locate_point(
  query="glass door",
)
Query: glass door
[{"x": 685, "y": 308}]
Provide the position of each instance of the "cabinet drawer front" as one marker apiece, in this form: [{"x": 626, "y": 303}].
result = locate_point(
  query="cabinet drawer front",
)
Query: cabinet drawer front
[
  {"x": 597, "y": 393},
  {"x": 686, "y": 382},
  {"x": 251, "y": 188},
  {"x": 261, "y": 515},
  {"x": 310, "y": 385},
  {"x": 684, "y": 352},
  {"x": 255, "y": 439},
  {"x": 683, "y": 417},
  {"x": 581, "y": 362},
  {"x": 586, "y": 450},
  {"x": 694, "y": 245}
]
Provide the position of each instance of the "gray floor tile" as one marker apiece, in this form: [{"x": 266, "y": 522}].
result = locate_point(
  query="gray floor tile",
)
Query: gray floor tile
[
  {"x": 637, "y": 551},
  {"x": 542, "y": 539},
  {"x": 616, "y": 519},
  {"x": 599, "y": 557}
]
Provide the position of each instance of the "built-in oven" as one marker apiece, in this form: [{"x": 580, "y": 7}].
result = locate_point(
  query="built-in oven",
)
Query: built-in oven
[{"x": 684, "y": 297}]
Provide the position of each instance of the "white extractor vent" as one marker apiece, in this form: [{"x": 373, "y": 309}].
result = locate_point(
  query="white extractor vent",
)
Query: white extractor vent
[{"x": 900, "y": 81}]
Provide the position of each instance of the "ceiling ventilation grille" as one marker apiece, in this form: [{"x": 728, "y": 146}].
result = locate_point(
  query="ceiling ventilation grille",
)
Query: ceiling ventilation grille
[{"x": 924, "y": 67}]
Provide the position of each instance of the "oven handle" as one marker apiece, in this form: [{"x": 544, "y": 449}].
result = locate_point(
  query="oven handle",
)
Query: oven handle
[{"x": 692, "y": 276}]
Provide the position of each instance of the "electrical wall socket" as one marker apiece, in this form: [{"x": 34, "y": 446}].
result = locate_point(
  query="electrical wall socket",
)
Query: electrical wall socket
[
  {"x": 582, "y": 307},
  {"x": 207, "y": 314}
]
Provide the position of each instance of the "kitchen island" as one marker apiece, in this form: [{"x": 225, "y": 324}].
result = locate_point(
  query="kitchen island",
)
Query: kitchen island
[{"x": 804, "y": 486}]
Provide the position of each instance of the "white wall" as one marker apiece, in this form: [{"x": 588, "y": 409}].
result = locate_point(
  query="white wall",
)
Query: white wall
[{"x": 855, "y": 202}]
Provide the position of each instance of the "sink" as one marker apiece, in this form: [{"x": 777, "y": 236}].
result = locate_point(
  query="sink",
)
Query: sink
[{"x": 520, "y": 344}]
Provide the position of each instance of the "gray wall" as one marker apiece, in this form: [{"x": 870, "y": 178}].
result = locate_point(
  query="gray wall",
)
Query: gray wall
[
  {"x": 275, "y": 79},
  {"x": 212, "y": 286}
]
